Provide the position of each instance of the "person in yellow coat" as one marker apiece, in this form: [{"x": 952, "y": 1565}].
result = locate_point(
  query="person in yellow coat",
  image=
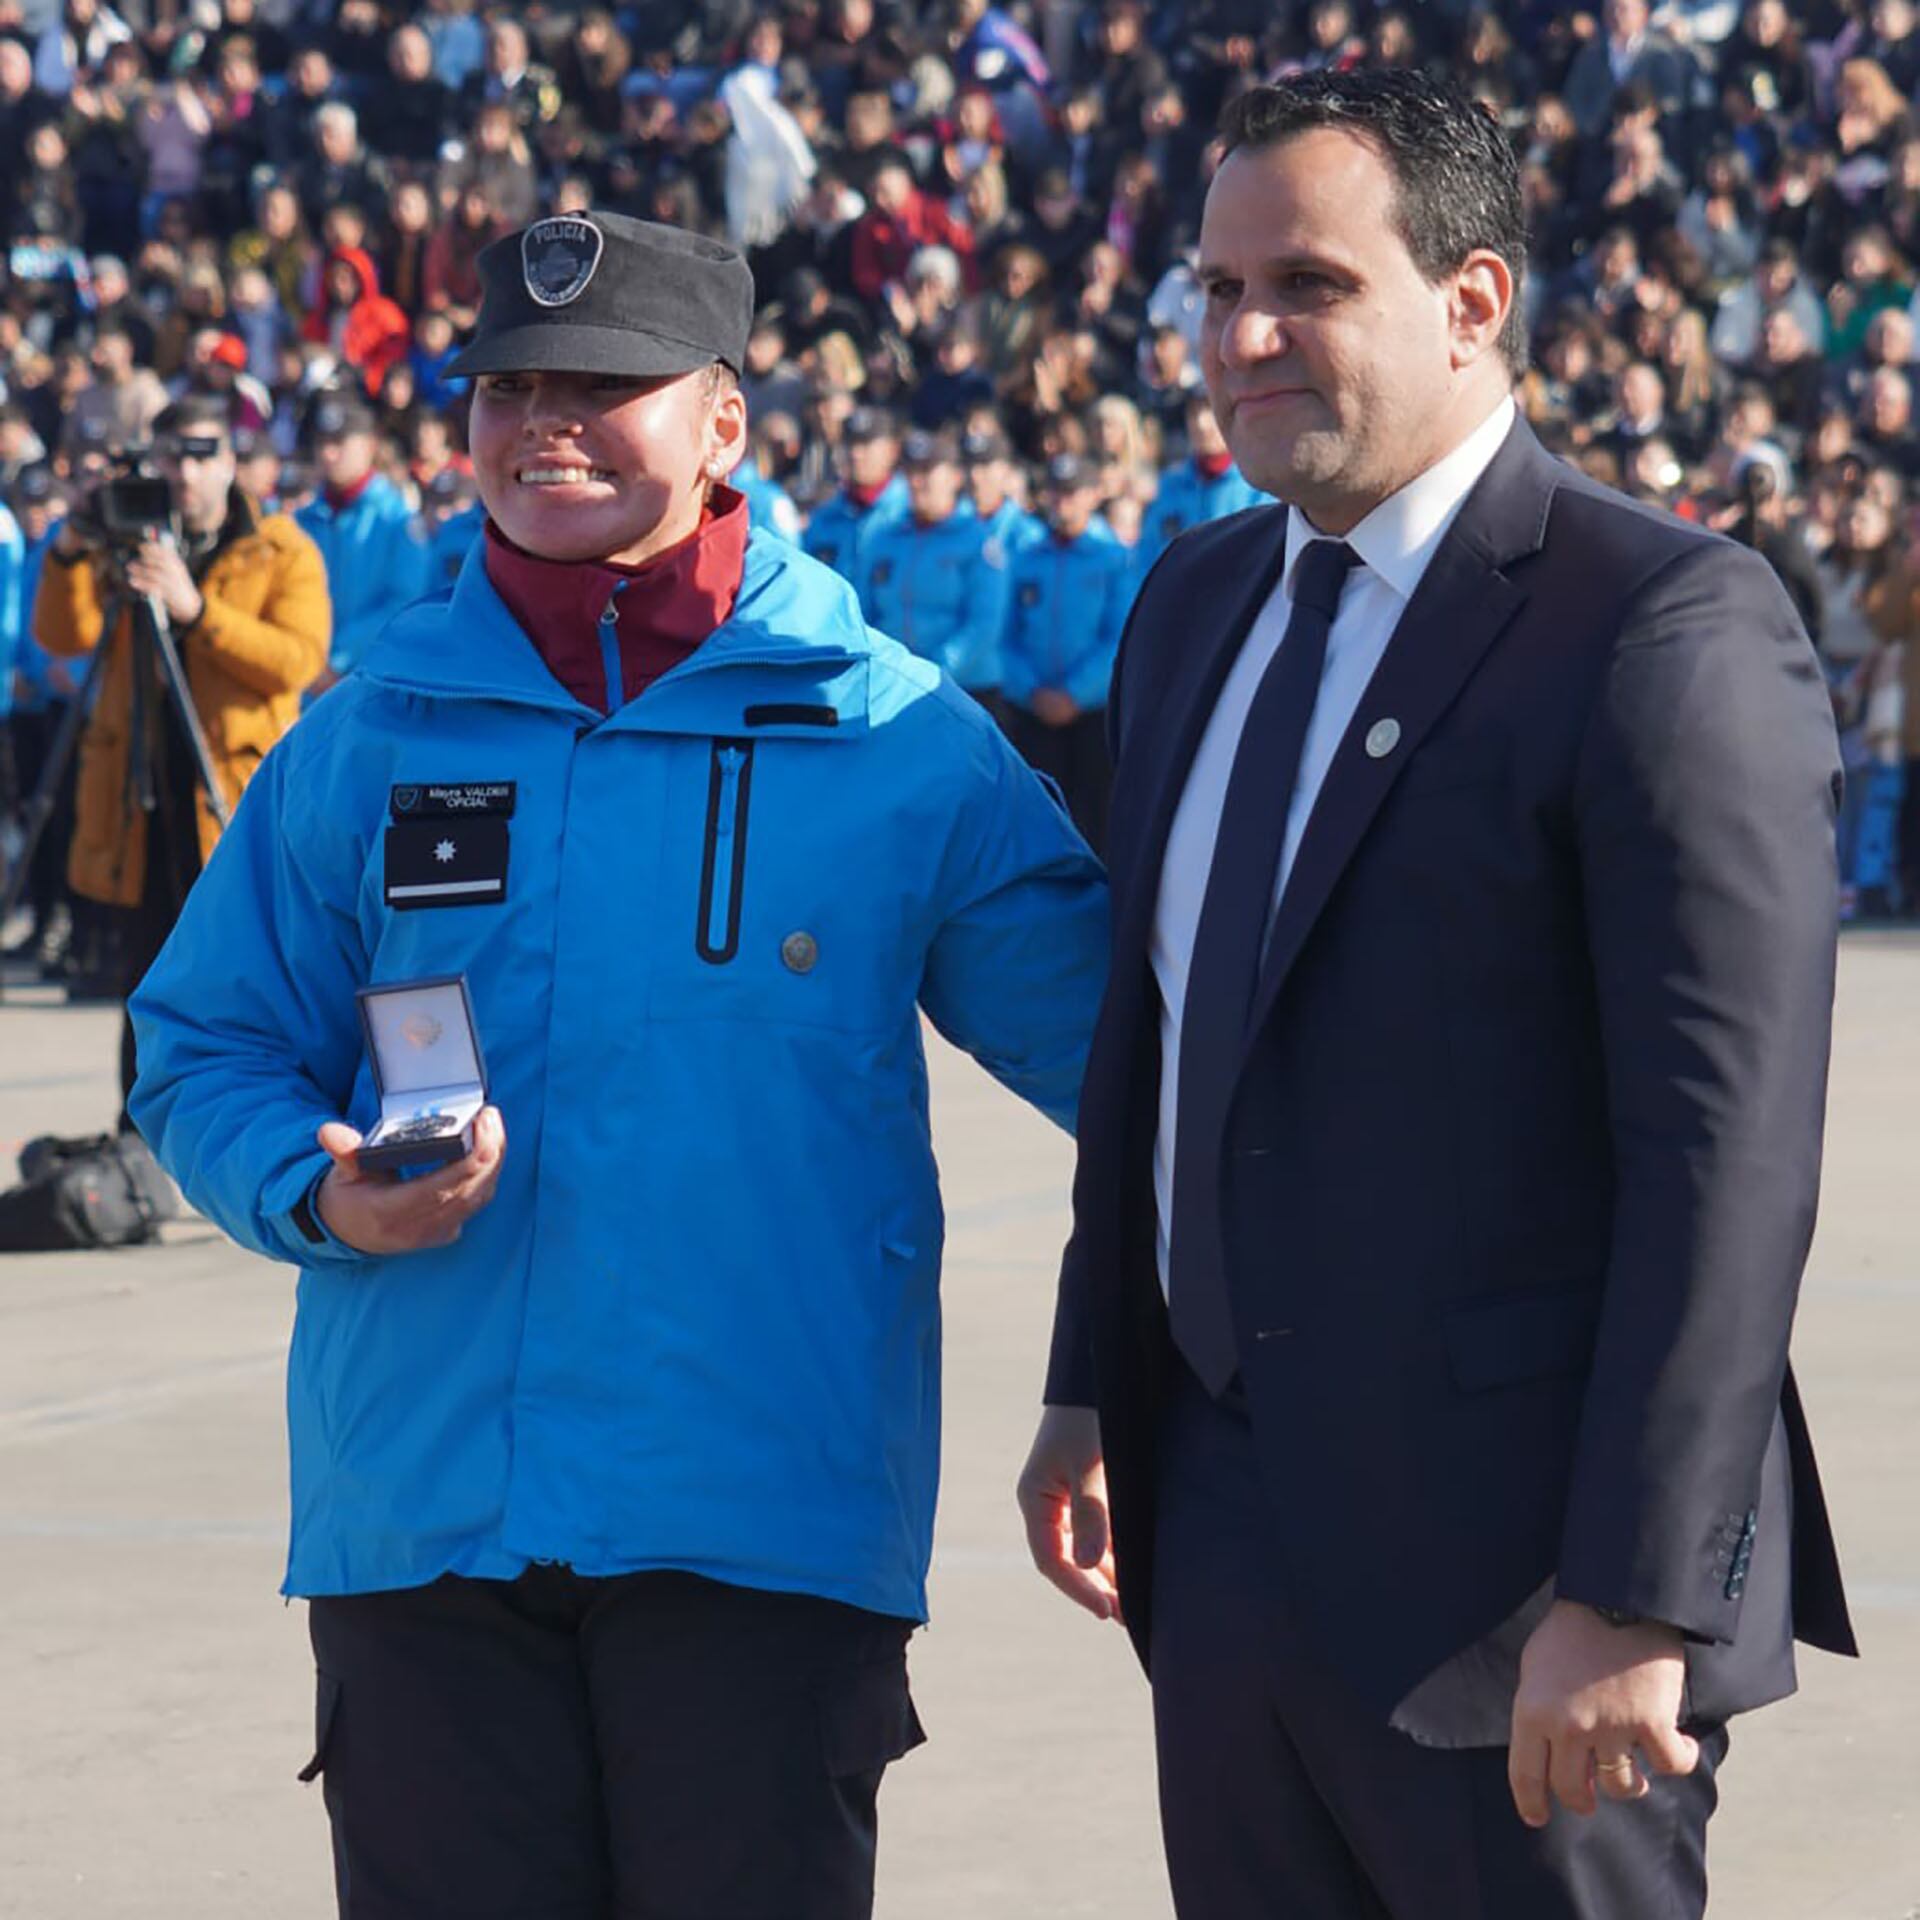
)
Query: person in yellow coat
[{"x": 246, "y": 596}]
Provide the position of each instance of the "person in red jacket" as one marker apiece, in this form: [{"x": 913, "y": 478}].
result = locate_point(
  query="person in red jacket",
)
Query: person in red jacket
[
  {"x": 356, "y": 319},
  {"x": 898, "y": 222}
]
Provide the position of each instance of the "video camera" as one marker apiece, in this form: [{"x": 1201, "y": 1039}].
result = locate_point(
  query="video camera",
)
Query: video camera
[{"x": 132, "y": 503}]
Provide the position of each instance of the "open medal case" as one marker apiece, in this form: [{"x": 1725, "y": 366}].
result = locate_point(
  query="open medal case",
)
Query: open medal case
[{"x": 428, "y": 1070}]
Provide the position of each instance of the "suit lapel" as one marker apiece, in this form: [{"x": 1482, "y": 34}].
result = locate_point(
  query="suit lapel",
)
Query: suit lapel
[
  {"x": 1206, "y": 647},
  {"x": 1461, "y": 606}
]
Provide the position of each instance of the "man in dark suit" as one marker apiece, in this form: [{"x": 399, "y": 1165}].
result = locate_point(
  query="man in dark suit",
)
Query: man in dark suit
[{"x": 1450, "y": 1143}]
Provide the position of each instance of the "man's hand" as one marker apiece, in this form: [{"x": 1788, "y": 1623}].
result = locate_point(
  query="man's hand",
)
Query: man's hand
[
  {"x": 1063, "y": 1499},
  {"x": 373, "y": 1213},
  {"x": 1055, "y": 708},
  {"x": 158, "y": 569},
  {"x": 1590, "y": 1694}
]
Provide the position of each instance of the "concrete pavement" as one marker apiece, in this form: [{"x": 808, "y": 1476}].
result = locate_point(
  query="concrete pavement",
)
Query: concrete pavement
[{"x": 155, "y": 1695}]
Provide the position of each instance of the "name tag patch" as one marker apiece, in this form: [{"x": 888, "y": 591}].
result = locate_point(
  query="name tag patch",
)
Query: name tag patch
[
  {"x": 446, "y": 863},
  {"x": 453, "y": 800}
]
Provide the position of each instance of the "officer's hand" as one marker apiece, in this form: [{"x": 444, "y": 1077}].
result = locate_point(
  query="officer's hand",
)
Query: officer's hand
[
  {"x": 375, "y": 1213},
  {"x": 1055, "y": 708},
  {"x": 1063, "y": 1499}
]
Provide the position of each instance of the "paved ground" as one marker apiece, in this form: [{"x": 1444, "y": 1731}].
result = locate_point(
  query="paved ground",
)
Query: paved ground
[{"x": 154, "y": 1694}]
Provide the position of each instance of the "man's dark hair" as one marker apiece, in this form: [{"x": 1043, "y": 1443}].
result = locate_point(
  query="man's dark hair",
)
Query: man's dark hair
[
  {"x": 195, "y": 413},
  {"x": 1456, "y": 180}
]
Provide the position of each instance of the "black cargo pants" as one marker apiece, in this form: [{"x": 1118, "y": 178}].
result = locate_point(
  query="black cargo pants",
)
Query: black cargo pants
[{"x": 650, "y": 1747}]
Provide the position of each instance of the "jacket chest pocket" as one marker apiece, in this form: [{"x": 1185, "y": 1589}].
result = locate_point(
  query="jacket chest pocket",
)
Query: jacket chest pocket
[
  {"x": 723, "y": 859},
  {"x": 783, "y": 896}
]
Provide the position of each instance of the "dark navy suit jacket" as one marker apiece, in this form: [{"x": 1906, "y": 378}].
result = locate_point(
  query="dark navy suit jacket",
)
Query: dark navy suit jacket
[{"x": 1523, "y": 1152}]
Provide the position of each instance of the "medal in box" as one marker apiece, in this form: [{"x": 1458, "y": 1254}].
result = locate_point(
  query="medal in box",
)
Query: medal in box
[{"x": 428, "y": 1070}]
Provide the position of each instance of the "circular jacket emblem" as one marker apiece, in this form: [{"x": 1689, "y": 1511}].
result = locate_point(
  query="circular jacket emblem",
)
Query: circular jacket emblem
[
  {"x": 800, "y": 951},
  {"x": 558, "y": 257}
]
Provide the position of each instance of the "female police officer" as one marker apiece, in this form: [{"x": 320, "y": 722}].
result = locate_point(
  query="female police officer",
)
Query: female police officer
[{"x": 614, "y": 1450}]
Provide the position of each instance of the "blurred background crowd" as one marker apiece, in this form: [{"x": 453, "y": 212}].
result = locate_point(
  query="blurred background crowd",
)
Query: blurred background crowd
[{"x": 974, "y": 373}]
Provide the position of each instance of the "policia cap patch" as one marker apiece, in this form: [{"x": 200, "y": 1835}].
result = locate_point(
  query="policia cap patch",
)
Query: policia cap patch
[{"x": 558, "y": 258}]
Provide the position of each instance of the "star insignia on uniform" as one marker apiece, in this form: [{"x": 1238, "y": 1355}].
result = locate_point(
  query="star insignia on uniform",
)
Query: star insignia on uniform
[{"x": 445, "y": 851}]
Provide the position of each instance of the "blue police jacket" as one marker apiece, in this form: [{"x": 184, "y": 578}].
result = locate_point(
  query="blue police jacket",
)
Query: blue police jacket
[
  {"x": 1012, "y": 525},
  {"x": 447, "y": 548},
  {"x": 376, "y": 563},
  {"x": 698, "y": 1326},
  {"x": 14, "y": 608},
  {"x": 769, "y": 505},
  {"x": 942, "y": 590},
  {"x": 1067, "y": 605},
  {"x": 1187, "y": 498},
  {"x": 836, "y": 527}
]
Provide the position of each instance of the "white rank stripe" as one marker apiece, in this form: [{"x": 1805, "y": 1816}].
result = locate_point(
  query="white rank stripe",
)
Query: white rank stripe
[{"x": 445, "y": 887}]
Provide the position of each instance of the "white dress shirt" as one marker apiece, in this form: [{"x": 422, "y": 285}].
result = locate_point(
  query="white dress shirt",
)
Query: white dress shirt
[{"x": 1395, "y": 542}]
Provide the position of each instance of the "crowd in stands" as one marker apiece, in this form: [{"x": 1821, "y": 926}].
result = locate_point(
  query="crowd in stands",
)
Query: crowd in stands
[{"x": 973, "y": 378}]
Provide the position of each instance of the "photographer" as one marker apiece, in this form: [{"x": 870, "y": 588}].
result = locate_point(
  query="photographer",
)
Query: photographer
[{"x": 246, "y": 597}]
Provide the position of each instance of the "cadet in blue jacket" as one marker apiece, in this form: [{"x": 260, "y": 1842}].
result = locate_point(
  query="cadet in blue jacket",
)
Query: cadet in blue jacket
[
  {"x": 770, "y": 506},
  {"x": 990, "y": 477},
  {"x": 453, "y": 518},
  {"x": 614, "y": 1449},
  {"x": 872, "y": 492},
  {"x": 935, "y": 578},
  {"x": 1071, "y": 592},
  {"x": 365, "y": 530},
  {"x": 13, "y": 624},
  {"x": 1204, "y": 486}
]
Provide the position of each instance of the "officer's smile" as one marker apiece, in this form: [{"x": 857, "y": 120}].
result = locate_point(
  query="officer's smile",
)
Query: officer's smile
[{"x": 564, "y": 476}]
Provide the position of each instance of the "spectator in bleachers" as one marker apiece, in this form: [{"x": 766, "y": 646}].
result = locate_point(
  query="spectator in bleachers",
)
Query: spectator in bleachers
[{"x": 992, "y": 227}]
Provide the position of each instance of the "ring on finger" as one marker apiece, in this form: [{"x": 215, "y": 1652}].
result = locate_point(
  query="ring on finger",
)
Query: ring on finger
[{"x": 1619, "y": 1767}]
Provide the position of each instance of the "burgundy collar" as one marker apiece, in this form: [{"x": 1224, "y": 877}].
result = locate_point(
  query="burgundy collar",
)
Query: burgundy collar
[{"x": 664, "y": 607}]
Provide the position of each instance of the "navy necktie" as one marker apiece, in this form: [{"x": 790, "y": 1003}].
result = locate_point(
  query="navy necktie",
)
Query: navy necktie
[{"x": 1227, "y": 954}]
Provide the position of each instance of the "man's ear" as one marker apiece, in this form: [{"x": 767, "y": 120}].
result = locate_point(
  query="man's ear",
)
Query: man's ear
[{"x": 1483, "y": 296}]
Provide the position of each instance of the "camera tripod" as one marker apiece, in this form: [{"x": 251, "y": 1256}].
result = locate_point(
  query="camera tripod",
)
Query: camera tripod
[{"x": 153, "y": 641}]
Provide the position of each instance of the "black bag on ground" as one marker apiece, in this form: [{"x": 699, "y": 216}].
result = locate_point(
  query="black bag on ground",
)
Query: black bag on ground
[{"x": 98, "y": 1190}]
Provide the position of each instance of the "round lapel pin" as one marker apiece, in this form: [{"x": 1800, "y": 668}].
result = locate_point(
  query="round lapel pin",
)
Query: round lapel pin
[{"x": 1382, "y": 738}]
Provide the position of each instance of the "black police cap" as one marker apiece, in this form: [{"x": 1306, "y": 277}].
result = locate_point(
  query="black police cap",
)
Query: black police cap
[
  {"x": 923, "y": 449},
  {"x": 338, "y": 415},
  {"x": 983, "y": 446},
  {"x": 1066, "y": 471},
  {"x": 604, "y": 293},
  {"x": 869, "y": 423},
  {"x": 33, "y": 484}
]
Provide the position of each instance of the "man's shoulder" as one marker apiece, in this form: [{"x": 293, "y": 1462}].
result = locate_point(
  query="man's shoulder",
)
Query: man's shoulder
[{"x": 1619, "y": 545}]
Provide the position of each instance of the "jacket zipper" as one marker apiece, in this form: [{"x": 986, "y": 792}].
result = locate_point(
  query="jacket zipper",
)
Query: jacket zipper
[
  {"x": 610, "y": 649},
  {"x": 723, "y": 866}
]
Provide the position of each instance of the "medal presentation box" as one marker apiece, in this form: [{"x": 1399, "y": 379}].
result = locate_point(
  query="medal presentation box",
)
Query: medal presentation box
[{"x": 428, "y": 1070}]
